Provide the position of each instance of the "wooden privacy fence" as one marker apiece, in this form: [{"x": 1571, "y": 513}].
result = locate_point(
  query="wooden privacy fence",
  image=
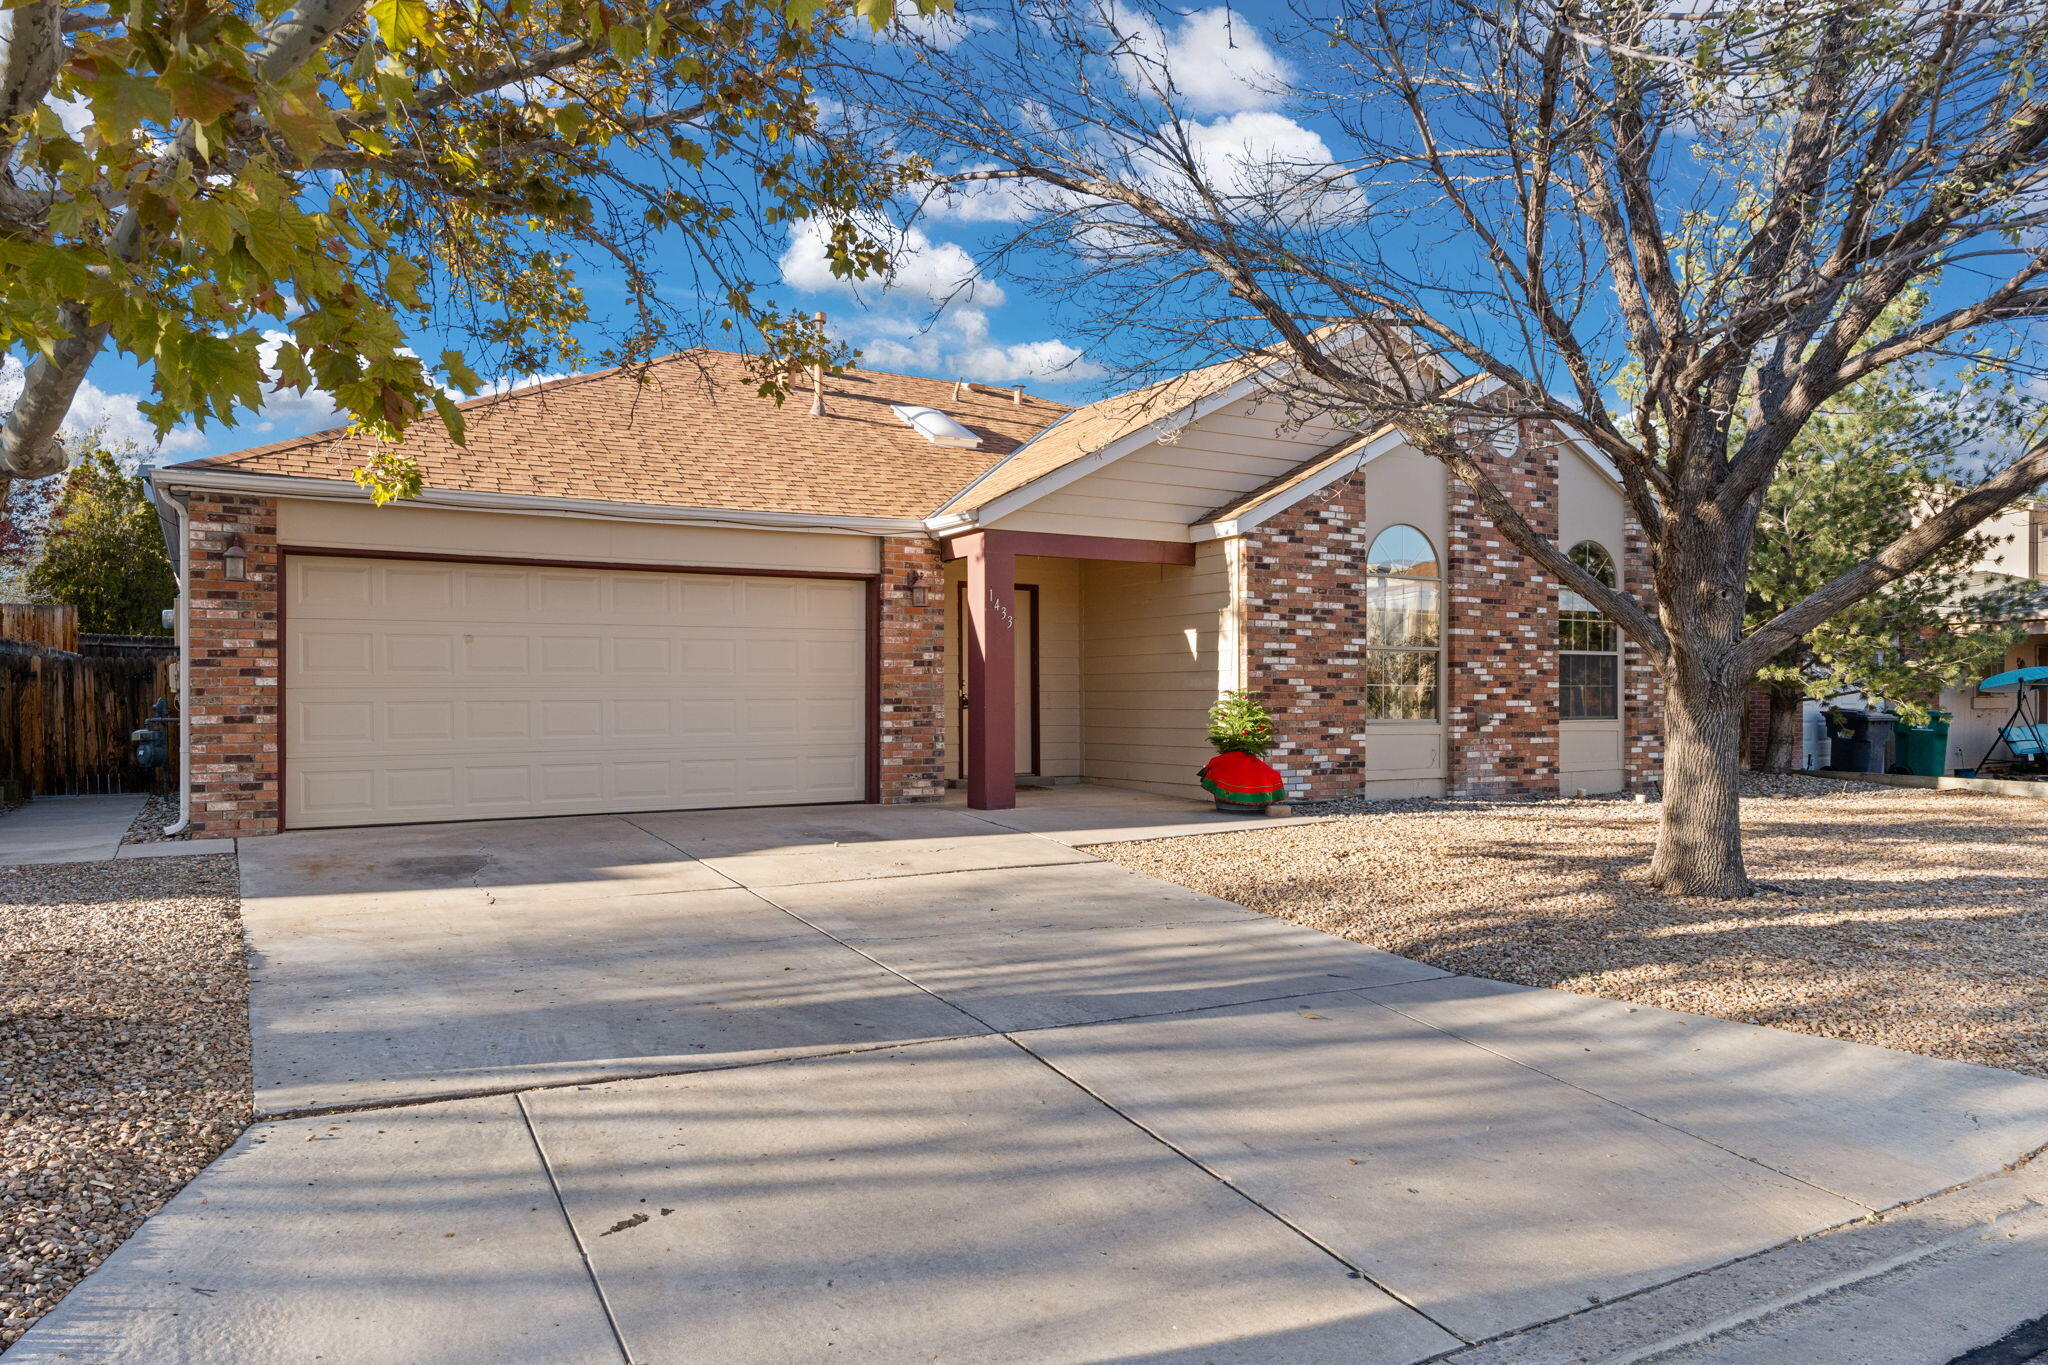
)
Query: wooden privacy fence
[
  {"x": 33, "y": 623},
  {"x": 65, "y": 718}
]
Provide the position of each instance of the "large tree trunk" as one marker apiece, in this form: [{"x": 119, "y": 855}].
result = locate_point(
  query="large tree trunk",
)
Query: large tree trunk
[
  {"x": 1699, "y": 829},
  {"x": 1784, "y": 741}
]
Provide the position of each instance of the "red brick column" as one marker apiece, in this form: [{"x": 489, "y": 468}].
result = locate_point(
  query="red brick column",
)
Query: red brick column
[
  {"x": 1304, "y": 628},
  {"x": 233, "y": 668},
  {"x": 1500, "y": 645},
  {"x": 1642, "y": 692},
  {"x": 912, "y": 644}
]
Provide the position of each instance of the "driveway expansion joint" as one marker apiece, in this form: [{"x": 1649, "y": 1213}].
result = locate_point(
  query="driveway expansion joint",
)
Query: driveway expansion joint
[
  {"x": 1353, "y": 1270},
  {"x": 547, "y": 1167}
]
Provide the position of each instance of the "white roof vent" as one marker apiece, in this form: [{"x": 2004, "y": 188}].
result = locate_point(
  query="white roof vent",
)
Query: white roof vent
[{"x": 935, "y": 426}]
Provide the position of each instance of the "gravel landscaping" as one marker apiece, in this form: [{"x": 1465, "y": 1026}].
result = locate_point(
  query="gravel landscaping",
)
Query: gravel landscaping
[
  {"x": 148, "y": 826},
  {"x": 124, "y": 1057},
  {"x": 1903, "y": 917}
]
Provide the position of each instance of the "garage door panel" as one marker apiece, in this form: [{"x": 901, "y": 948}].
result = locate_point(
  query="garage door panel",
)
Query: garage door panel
[
  {"x": 485, "y": 593},
  {"x": 417, "y": 691},
  {"x": 341, "y": 722},
  {"x": 419, "y": 722},
  {"x": 334, "y": 585},
  {"x": 576, "y": 595},
  {"x": 424, "y": 593},
  {"x": 404, "y": 652},
  {"x": 654, "y": 654},
  {"x": 644, "y": 595},
  {"x": 335, "y": 652}
]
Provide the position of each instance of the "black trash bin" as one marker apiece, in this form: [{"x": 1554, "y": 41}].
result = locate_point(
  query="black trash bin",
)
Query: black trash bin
[{"x": 1849, "y": 741}]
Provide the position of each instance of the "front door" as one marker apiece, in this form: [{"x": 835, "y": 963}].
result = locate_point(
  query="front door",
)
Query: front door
[{"x": 1027, "y": 678}]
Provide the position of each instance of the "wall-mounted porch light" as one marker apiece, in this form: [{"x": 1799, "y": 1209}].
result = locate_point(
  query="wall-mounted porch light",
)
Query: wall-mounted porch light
[
  {"x": 234, "y": 559},
  {"x": 918, "y": 592}
]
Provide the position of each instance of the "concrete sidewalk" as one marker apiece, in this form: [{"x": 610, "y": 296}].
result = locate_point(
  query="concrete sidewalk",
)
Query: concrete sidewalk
[
  {"x": 87, "y": 829},
  {"x": 885, "y": 1084},
  {"x": 67, "y": 829}
]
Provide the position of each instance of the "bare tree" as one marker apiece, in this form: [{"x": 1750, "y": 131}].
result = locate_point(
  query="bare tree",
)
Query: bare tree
[{"x": 1664, "y": 231}]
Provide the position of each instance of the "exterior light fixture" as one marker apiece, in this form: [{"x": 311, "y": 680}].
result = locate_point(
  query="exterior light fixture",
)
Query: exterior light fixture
[
  {"x": 234, "y": 558},
  {"x": 918, "y": 592}
]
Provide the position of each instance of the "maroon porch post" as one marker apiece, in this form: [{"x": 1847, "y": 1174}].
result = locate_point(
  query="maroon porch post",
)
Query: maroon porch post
[{"x": 991, "y": 672}]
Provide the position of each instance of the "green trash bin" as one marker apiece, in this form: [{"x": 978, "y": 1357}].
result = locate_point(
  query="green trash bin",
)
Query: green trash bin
[{"x": 1923, "y": 749}]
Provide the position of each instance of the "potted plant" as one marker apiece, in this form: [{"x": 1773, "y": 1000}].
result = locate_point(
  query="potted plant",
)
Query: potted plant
[{"x": 1241, "y": 731}]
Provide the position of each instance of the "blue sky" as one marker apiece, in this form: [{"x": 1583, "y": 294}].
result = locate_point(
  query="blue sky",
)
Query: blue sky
[{"x": 941, "y": 315}]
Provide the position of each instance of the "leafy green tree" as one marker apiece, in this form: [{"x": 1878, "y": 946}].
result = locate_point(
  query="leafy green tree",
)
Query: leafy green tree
[
  {"x": 245, "y": 195},
  {"x": 105, "y": 552},
  {"x": 1865, "y": 470}
]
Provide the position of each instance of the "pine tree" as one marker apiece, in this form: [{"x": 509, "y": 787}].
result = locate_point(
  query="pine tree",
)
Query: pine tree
[{"x": 1881, "y": 456}]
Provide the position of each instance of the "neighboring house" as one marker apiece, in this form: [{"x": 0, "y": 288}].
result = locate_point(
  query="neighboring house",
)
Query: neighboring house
[
  {"x": 2020, "y": 555},
  {"x": 624, "y": 596}
]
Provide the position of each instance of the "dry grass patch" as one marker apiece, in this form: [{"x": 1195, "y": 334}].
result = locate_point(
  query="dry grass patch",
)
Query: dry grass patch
[
  {"x": 124, "y": 1057},
  {"x": 1907, "y": 918}
]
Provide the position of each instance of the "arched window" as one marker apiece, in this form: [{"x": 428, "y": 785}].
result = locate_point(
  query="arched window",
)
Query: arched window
[
  {"x": 1403, "y": 626},
  {"x": 1589, "y": 647}
]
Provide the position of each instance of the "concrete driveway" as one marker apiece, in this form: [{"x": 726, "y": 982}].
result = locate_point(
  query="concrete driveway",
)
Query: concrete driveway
[{"x": 922, "y": 1084}]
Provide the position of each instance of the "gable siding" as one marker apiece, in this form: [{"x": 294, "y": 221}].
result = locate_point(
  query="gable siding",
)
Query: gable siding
[{"x": 1157, "y": 492}]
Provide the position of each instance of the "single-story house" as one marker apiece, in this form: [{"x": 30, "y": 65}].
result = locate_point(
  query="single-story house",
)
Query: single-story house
[{"x": 662, "y": 591}]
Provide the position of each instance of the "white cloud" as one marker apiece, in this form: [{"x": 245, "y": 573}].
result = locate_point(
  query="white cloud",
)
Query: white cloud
[
  {"x": 957, "y": 345},
  {"x": 115, "y": 417},
  {"x": 74, "y": 115},
  {"x": 1215, "y": 62},
  {"x": 506, "y": 383},
  {"x": 937, "y": 272},
  {"x": 1245, "y": 153}
]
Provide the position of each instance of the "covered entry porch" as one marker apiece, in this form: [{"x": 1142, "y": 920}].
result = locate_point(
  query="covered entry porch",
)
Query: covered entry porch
[{"x": 1072, "y": 658}]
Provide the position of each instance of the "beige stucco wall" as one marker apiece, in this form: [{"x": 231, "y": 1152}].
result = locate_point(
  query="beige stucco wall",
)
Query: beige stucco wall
[
  {"x": 437, "y": 530},
  {"x": 2014, "y": 553},
  {"x": 1589, "y": 507},
  {"x": 1157, "y": 492},
  {"x": 1156, "y": 643}
]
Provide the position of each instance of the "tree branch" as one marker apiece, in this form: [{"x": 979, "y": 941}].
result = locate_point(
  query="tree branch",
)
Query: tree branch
[
  {"x": 1905, "y": 554},
  {"x": 29, "y": 447}
]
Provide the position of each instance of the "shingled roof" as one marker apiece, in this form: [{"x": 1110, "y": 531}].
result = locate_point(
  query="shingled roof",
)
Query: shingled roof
[
  {"x": 694, "y": 434},
  {"x": 1084, "y": 431}
]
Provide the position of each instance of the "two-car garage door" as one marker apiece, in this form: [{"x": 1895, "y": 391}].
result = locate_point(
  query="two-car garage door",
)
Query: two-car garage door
[{"x": 423, "y": 690}]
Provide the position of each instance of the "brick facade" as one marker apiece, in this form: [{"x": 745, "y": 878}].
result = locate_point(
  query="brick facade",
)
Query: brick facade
[
  {"x": 1304, "y": 637},
  {"x": 1500, "y": 637},
  {"x": 232, "y": 626},
  {"x": 1304, "y": 630},
  {"x": 913, "y": 651},
  {"x": 1642, "y": 692}
]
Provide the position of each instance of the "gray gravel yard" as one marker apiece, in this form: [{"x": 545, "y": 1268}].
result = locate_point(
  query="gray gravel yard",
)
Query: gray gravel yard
[
  {"x": 1907, "y": 918},
  {"x": 124, "y": 1057},
  {"x": 149, "y": 823}
]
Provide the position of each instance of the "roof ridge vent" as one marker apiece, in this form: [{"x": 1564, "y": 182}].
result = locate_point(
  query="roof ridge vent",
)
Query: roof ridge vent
[{"x": 935, "y": 426}]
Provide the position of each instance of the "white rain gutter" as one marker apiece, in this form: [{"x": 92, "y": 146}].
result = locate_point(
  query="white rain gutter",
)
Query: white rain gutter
[
  {"x": 183, "y": 628},
  {"x": 523, "y": 504}
]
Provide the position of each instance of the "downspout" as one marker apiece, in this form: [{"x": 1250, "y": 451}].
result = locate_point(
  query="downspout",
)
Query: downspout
[{"x": 184, "y": 634}]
